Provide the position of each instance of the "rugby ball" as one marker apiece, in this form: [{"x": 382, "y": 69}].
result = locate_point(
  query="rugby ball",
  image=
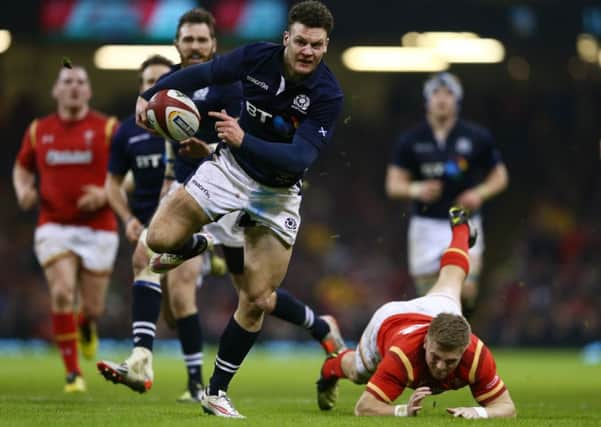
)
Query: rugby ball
[{"x": 173, "y": 115}]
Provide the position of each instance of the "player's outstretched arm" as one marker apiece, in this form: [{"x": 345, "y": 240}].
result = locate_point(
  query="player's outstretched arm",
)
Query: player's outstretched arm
[
  {"x": 368, "y": 405},
  {"x": 502, "y": 406}
]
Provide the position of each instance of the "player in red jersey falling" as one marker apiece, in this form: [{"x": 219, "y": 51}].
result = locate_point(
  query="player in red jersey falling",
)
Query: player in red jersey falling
[
  {"x": 424, "y": 344},
  {"x": 76, "y": 237}
]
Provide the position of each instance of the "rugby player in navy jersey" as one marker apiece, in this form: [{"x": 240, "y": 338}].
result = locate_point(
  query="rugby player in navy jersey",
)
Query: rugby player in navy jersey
[
  {"x": 193, "y": 42},
  {"x": 291, "y": 102},
  {"x": 140, "y": 152},
  {"x": 444, "y": 161}
]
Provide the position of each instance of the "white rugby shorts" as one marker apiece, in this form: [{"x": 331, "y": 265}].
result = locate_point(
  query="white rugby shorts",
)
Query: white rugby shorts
[
  {"x": 220, "y": 186},
  {"x": 225, "y": 231},
  {"x": 367, "y": 356},
  {"x": 428, "y": 238},
  {"x": 97, "y": 249}
]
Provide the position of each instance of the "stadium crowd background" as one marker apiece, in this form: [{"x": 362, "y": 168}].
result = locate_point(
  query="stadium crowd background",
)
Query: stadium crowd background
[{"x": 542, "y": 277}]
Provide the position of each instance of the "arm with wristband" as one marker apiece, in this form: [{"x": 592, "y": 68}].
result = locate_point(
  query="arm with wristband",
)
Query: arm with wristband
[
  {"x": 368, "y": 404},
  {"x": 502, "y": 406}
]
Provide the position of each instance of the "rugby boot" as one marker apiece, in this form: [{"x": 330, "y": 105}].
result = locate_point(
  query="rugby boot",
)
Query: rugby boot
[
  {"x": 458, "y": 216},
  {"x": 135, "y": 372},
  {"x": 75, "y": 383},
  {"x": 219, "y": 405},
  {"x": 333, "y": 342}
]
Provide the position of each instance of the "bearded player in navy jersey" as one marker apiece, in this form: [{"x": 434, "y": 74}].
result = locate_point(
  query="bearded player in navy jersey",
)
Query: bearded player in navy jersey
[
  {"x": 196, "y": 43},
  {"x": 444, "y": 161},
  {"x": 291, "y": 102}
]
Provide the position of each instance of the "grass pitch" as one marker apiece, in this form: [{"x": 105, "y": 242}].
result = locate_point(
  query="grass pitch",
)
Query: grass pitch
[{"x": 550, "y": 388}]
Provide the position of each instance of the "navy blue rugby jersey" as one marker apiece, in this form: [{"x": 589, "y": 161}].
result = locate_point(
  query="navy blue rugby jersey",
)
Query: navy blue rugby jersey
[
  {"x": 286, "y": 123},
  {"x": 142, "y": 152},
  {"x": 209, "y": 98},
  {"x": 464, "y": 161}
]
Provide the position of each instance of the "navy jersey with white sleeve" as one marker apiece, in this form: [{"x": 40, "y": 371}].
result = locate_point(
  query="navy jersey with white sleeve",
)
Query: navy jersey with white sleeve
[
  {"x": 286, "y": 123},
  {"x": 209, "y": 98},
  {"x": 463, "y": 161},
  {"x": 142, "y": 152}
]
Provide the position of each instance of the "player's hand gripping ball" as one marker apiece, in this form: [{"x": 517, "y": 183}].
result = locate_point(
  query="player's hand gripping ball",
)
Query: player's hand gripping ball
[{"x": 173, "y": 115}]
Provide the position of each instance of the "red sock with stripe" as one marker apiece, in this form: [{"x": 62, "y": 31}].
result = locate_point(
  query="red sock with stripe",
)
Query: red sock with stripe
[
  {"x": 65, "y": 335},
  {"x": 333, "y": 366},
  {"x": 457, "y": 253}
]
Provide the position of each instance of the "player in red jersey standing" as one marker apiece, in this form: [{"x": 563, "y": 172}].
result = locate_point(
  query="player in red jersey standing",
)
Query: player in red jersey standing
[
  {"x": 76, "y": 237},
  {"x": 424, "y": 344}
]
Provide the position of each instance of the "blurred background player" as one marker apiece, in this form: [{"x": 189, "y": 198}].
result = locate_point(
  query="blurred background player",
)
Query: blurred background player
[
  {"x": 424, "y": 344},
  {"x": 292, "y": 101},
  {"x": 196, "y": 43},
  {"x": 76, "y": 237},
  {"x": 444, "y": 161},
  {"x": 136, "y": 150}
]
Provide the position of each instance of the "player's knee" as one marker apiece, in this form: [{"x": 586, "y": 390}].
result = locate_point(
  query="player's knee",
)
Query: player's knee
[
  {"x": 62, "y": 296},
  {"x": 266, "y": 304},
  {"x": 159, "y": 240},
  {"x": 254, "y": 303}
]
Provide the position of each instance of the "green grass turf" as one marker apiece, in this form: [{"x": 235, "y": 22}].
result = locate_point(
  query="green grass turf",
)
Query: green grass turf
[{"x": 550, "y": 388}]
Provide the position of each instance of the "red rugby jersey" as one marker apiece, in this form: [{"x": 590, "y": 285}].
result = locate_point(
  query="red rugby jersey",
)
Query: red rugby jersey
[
  {"x": 401, "y": 342},
  {"x": 67, "y": 155}
]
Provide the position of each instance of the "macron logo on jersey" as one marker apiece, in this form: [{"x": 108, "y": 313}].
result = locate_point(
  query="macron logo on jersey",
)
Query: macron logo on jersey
[
  {"x": 138, "y": 138},
  {"x": 68, "y": 157},
  {"x": 257, "y": 82}
]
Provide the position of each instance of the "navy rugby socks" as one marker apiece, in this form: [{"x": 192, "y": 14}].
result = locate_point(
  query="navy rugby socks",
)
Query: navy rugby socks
[
  {"x": 146, "y": 307},
  {"x": 190, "y": 337},
  {"x": 290, "y": 309},
  {"x": 234, "y": 345}
]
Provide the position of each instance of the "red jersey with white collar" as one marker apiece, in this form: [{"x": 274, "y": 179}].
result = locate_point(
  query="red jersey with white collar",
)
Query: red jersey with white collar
[
  {"x": 66, "y": 156},
  {"x": 401, "y": 343}
]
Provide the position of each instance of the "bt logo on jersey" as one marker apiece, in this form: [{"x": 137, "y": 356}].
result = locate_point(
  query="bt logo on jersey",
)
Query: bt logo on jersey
[
  {"x": 148, "y": 161},
  {"x": 257, "y": 112}
]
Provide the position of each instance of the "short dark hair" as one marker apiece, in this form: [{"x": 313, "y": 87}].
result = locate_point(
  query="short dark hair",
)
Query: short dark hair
[
  {"x": 313, "y": 14},
  {"x": 450, "y": 331},
  {"x": 198, "y": 15},
  {"x": 155, "y": 60}
]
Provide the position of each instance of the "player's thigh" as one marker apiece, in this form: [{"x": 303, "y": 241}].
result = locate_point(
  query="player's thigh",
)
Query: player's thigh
[
  {"x": 265, "y": 264},
  {"x": 61, "y": 275},
  {"x": 93, "y": 288},
  {"x": 178, "y": 216}
]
